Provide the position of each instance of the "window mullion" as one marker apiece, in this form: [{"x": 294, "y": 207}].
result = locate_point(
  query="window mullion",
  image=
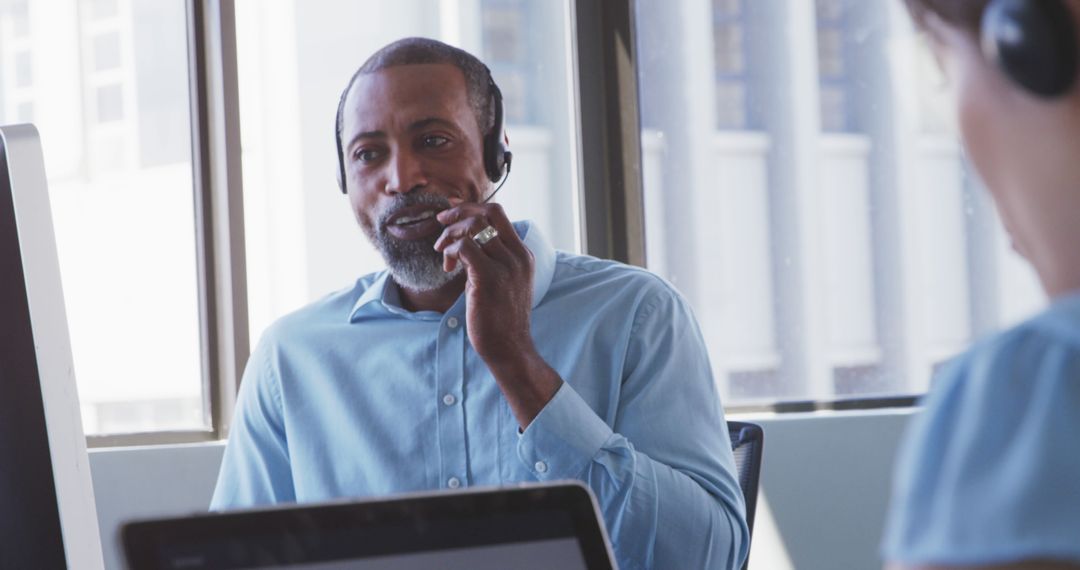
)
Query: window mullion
[
  {"x": 219, "y": 210},
  {"x": 610, "y": 136}
]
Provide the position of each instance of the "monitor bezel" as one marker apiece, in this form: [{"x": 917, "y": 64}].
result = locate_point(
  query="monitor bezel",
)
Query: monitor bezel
[
  {"x": 145, "y": 541},
  {"x": 23, "y": 179}
]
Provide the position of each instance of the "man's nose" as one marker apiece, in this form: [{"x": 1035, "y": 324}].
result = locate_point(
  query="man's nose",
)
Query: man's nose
[{"x": 406, "y": 173}]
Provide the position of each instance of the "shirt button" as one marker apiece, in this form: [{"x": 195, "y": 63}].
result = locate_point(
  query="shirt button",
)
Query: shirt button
[
  {"x": 541, "y": 467},
  {"x": 449, "y": 399},
  {"x": 453, "y": 483},
  {"x": 452, "y": 322}
]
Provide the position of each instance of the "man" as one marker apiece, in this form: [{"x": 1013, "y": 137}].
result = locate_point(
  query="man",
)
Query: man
[
  {"x": 481, "y": 356},
  {"x": 989, "y": 476}
]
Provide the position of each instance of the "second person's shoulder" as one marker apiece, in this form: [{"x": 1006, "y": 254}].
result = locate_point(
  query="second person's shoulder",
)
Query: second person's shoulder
[{"x": 1044, "y": 348}]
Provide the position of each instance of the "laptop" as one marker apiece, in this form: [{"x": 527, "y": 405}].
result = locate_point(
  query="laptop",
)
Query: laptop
[{"x": 531, "y": 527}]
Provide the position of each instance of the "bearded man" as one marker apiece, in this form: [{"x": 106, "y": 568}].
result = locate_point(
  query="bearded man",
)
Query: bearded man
[{"x": 481, "y": 356}]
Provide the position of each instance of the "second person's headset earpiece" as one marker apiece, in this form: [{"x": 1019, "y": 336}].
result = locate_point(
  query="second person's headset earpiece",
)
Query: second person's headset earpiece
[
  {"x": 1033, "y": 42},
  {"x": 497, "y": 157}
]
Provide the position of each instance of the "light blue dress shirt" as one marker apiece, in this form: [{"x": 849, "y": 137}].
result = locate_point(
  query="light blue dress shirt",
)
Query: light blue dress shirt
[
  {"x": 355, "y": 396},
  {"x": 990, "y": 470}
]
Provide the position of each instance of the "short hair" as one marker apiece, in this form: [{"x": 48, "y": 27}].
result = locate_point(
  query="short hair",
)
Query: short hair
[
  {"x": 414, "y": 51},
  {"x": 963, "y": 14}
]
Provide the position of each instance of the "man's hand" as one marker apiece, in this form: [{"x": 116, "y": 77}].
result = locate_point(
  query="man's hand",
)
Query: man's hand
[{"x": 498, "y": 301}]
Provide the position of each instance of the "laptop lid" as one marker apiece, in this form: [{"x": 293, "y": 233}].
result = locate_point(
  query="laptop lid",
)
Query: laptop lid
[{"x": 529, "y": 527}]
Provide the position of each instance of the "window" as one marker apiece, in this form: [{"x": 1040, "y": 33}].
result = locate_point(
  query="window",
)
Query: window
[
  {"x": 507, "y": 43},
  {"x": 103, "y": 8},
  {"x": 107, "y": 51},
  {"x": 19, "y": 17},
  {"x": 24, "y": 74},
  {"x": 110, "y": 103},
  {"x": 802, "y": 184},
  {"x": 16, "y": 62},
  {"x": 729, "y": 56},
  {"x": 832, "y": 243},
  {"x": 24, "y": 113},
  {"x": 108, "y": 81},
  {"x": 123, "y": 225},
  {"x": 294, "y": 59},
  {"x": 837, "y": 99}
]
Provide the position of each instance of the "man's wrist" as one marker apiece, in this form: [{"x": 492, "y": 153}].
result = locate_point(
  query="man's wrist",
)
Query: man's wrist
[
  {"x": 528, "y": 383},
  {"x": 512, "y": 358}
]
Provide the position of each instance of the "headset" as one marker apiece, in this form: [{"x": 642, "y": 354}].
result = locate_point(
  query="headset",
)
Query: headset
[
  {"x": 1033, "y": 42},
  {"x": 497, "y": 156}
]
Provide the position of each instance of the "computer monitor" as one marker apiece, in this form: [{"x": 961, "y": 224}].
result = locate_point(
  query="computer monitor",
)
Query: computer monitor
[{"x": 47, "y": 514}]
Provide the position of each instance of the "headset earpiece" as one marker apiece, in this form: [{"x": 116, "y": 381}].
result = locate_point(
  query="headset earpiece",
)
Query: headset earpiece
[
  {"x": 1033, "y": 42},
  {"x": 497, "y": 156},
  {"x": 337, "y": 141}
]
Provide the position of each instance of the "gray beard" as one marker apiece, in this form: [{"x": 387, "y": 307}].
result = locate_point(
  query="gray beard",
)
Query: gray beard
[{"x": 414, "y": 265}]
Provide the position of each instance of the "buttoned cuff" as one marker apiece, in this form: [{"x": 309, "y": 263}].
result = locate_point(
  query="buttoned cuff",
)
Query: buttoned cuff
[{"x": 563, "y": 438}]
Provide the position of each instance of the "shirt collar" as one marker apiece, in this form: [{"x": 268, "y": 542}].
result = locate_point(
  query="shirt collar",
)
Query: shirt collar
[
  {"x": 543, "y": 259},
  {"x": 384, "y": 292}
]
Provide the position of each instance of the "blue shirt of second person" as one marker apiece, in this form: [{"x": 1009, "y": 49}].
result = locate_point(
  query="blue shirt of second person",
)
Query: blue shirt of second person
[{"x": 990, "y": 470}]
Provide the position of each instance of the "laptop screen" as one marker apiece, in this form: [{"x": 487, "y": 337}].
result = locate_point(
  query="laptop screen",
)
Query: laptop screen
[{"x": 522, "y": 528}]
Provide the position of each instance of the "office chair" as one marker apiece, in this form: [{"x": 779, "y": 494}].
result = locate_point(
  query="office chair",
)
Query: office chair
[{"x": 747, "y": 441}]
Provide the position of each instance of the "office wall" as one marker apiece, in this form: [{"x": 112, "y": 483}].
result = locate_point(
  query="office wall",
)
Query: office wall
[
  {"x": 824, "y": 489},
  {"x": 146, "y": 482},
  {"x": 825, "y": 481}
]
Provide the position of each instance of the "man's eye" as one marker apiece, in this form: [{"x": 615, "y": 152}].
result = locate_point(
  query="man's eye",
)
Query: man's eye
[
  {"x": 435, "y": 141},
  {"x": 365, "y": 155}
]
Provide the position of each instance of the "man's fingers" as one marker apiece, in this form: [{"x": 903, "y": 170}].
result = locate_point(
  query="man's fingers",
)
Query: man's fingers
[
  {"x": 460, "y": 212},
  {"x": 480, "y": 257},
  {"x": 497, "y": 216},
  {"x": 492, "y": 214},
  {"x": 449, "y": 260},
  {"x": 462, "y": 229},
  {"x": 464, "y": 221}
]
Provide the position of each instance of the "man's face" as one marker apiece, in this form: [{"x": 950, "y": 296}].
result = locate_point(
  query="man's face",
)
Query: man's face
[{"x": 412, "y": 147}]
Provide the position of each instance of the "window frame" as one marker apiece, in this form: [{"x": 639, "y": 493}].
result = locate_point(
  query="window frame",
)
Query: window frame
[
  {"x": 219, "y": 223},
  {"x": 609, "y": 130}
]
